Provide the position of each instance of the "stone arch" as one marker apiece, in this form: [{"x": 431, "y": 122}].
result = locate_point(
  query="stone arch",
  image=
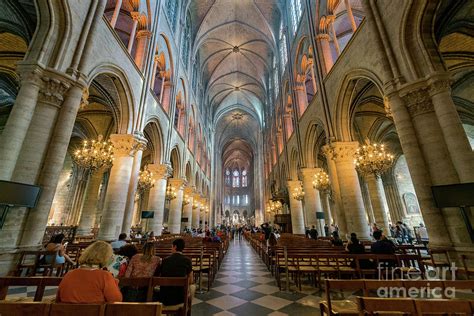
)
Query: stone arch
[
  {"x": 175, "y": 162},
  {"x": 294, "y": 164},
  {"x": 115, "y": 88},
  {"x": 314, "y": 139},
  {"x": 344, "y": 101},
  {"x": 188, "y": 172},
  {"x": 196, "y": 180},
  {"x": 154, "y": 136},
  {"x": 283, "y": 176}
]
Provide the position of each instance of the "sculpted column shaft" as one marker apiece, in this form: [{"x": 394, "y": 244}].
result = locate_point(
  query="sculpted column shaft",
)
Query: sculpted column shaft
[
  {"x": 176, "y": 206},
  {"x": 451, "y": 127},
  {"x": 296, "y": 209},
  {"x": 157, "y": 197},
  {"x": 14, "y": 133},
  {"x": 340, "y": 218},
  {"x": 142, "y": 41},
  {"x": 195, "y": 221},
  {"x": 91, "y": 198},
  {"x": 312, "y": 201},
  {"x": 326, "y": 207},
  {"x": 132, "y": 189},
  {"x": 118, "y": 6},
  {"x": 377, "y": 194},
  {"x": 53, "y": 163},
  {"x": 419, "y": 172},
  {"x": 351, "y": 194},
  {"x": 117, "y": 188},
  {"x": 131, "y": 40}
]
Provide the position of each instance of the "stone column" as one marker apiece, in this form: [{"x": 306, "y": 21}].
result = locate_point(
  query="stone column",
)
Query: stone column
[
  {"x": 296, "y": 209},
  {"x": 331, "y": 20},
  {"x": 91, "y": 199},
  {"x": 176, "y": 206},
  {"x": 131, "y": 40},
  {"x": 188, "y": 208},
  {"x": 117, "y": 189},
  {"x": 377, "y": 194},
  {"x": 157, "y": 197},
  {"x": 82, "y": 176},
  {"x": 118, "y": 6},
  {"x": 420, "y": 174},
  {"x": 62, "y": 192},
  {"x": 100, "y": 203},
  {"x": 153, "y": 73},
  {"x": 300, "y": 90},
  {"x": 312, "y": 202},
  {"x": 352, "y": 201},
  {"x": 15, "y": 130},
  {"x": 451, "y": 127},
  {"x": 326, "y": 206},
  {"x": 350, "y": 15},
  {"x": 393, "y": 197},
  {"x": 140, "y": 52},
  {"x": 340, "y": 218},
  {"x": 132, "y": 189},
  {"x": 323, "y": 39},
  {"x": 367, "y": 203},
  {"x": 53, "y": 162},
  {"x": 166, "y": 95},
  {"x": 195, "y": 221}
]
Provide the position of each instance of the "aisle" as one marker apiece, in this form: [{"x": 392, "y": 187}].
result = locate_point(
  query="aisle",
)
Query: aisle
[{"x": 244, "y": 286}]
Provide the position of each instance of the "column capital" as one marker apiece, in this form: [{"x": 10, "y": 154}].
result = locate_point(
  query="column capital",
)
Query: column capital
[
  {"x": 177, "y": 183},
  {"x": 160, "y": 171},
  {"x": 52, "y": 90},
  {"x": 340, "y": 150},
  {"x": 135, "y": 15},
  {"x": 308, "y": 172},
  {"x": 417, "y": 99},
  {"x": 143, "y": 33},
  {"x": 322, "y": 36},
  {"x": 294, "y": 184},
  {"x": 125, "y": 144},
  {"x": 439, "y": 83},
  {"x": 189, "y": 190}
]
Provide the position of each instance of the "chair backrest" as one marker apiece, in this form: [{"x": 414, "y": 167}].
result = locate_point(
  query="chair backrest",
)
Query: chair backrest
[
  {"x": 371, "y": 305},
  {"x": 126, "y": 309},
  {"x": 171, "y": 281},
  {"x": 134, "y": 282},
  {"x": 443, "y": 307},
  {"x": 24, "y": 308},
  {"x": 62, "y": 309},
  {"x": 6, "y": 282}
]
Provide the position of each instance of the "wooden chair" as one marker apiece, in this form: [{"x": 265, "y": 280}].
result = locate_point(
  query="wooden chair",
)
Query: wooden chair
[
  {"x": 372, "y": 288},
  {"x": 39, "y": 282},
  {"x": 443, "y": 307},
  {"x": 62, "y": 309},
  {"x": 371, "y": 306},
  {"x": 340, "y": 307},
  {"x": 463, "y": 289},
  {"x": 126, "y": 309},
  {"x": 466, "y": 270},
  {"x": 180, "y": 309},
  {"x": 24, "y": 308}
]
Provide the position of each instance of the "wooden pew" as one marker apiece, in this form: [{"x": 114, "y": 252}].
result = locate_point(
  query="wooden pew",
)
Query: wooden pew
[
  {"x": 371, "y": 305},
  {"x": 39, "y": 282},
  {"x": 63, "y": 309},
  {"x": 443, "y": 307},
  {"x": 24, "y": 309}
]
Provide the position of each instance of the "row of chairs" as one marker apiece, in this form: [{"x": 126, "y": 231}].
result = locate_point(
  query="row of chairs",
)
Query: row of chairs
[
  {"x": 58, "y": 309},
  {"x": 337, "y": 302}
]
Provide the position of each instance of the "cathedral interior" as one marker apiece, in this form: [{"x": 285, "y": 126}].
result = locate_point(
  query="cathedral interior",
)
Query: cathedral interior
[{"x": 169, "y": 116}]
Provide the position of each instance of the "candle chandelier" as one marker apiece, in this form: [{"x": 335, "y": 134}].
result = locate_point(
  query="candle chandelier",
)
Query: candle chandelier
[
  {"x": 371, "y": 158},
  {"x": 321, "y": 180},
  {"x": 145, "y": 180},
  {"x": 274, "y": 206},
  {"x": 298, "y": 194},
  {"x": 196, "y": 204},
  {"x": 94, "y": 154},
  {"x": 170, "y": 192},
  {"x": 186, "y": 199}
]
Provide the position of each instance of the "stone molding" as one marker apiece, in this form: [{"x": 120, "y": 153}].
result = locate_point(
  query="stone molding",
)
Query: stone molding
[
  {"x": 439, "y": 85},
  {"x": 52, "y": 91},
  {"x": 125, "y": 144},
  {"x": 322, "y": 36},
  {"x": 418, "y": 101},
  {"x": 178, "y": 183},
  {"x": 143, "y": 33},
  {"x": 308, "y": 172},
  {"x": 340, "y": 151},
  {"x": 160, "y": 171}
]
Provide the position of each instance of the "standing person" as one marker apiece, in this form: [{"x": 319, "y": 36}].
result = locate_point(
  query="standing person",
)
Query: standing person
[
  {"x": 313, "y": 233},
  {"x": 326, "y": 230},
  {"x": 176, "y": 265},
  {"x": 406, "y": 233},
  {"x": 423, "y": 233},
  {"x": 90, "y": 284},
  {"x": 116, "y": 245}
]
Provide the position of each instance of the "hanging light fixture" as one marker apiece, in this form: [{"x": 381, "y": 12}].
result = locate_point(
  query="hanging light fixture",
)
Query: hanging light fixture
[
  {"x": 195, "y": 204},
  {"x": 371, "y": 158},
  {"x": 145, "y": 180},
  {"x": 170, "y": 192},
  {"x": 94, "y": 154},
  {"x": 321, "y": 180},
  {"x": 186, "y": 199},
  {"x": 298, "y": 194}
]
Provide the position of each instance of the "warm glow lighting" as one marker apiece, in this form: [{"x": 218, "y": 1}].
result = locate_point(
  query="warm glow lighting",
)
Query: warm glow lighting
[
  {"x": 298, "y": 194},
  {"x": 186, "y": 200},
  {"x": 145, "y": 180},
  {"x": 170, "y": 192},
  {"x": 94, "y": 154},
  {"x": 372, "y": 158},
  {"x": 321, "y": 180}
]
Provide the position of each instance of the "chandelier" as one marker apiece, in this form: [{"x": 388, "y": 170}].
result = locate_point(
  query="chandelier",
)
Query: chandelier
[
  {"x": 298, "y": 194},
  {"x": 170, "y": 192},
  {"x": 186, "y": 199},
  {"x": 145, "y": 180},
  {"x": 196, "y": 204},
  {"x": 321, "y": 180},
  {"x": 372, "y": 158},
  {"x": 274, "y": 206},
  {"x": 94, "y": 154}
]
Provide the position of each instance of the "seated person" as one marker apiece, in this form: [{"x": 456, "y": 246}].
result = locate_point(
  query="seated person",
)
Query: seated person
[
  {"x": 56, "y": 244},
  {"x": 382, "y": 245},
  {"x": 116, "y": 245},
  {"x": 90, "y": 284},
  {"x": 142, "y": 265},
  {"x": 336, "y": 240},
  {"x": 121, "y": 260},
  {"x": 313, "y": 233},
  {"x": 176, "y": 265},
  {"x": 354, "y": 246}
]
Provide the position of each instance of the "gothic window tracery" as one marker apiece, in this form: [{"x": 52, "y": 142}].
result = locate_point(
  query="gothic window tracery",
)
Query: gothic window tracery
[{"x": 236, "y": 179}]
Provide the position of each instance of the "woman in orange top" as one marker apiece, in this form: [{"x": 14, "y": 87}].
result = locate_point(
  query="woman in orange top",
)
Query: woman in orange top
[{"x": 90, "y": 283}]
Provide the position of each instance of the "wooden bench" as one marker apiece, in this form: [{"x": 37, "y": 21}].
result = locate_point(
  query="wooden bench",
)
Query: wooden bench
[{"x": 39, "y": 282}]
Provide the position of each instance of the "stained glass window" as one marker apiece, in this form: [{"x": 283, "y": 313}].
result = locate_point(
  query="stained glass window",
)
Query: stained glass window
[{"x": 235, "y": 179}]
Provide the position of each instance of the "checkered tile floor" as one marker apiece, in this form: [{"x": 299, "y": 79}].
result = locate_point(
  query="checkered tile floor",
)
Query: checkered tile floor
[{"x": 244, "y": 286}]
